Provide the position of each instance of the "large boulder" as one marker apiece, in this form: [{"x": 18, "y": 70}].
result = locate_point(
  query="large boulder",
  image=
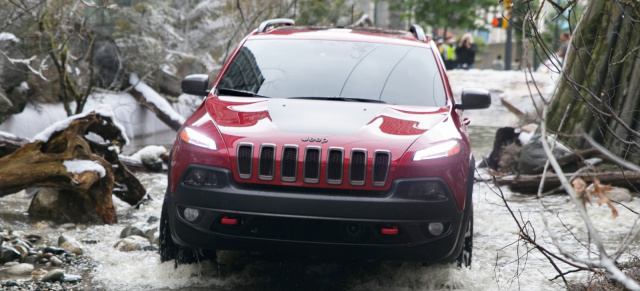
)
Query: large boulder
[
  {"x": 18, "y": 96},
  {"x": 63, "y": 205},
  {"x": 107, "y": 63},
  {"x": 11, "y": 75},
  {"x": 533, "y": 158}
]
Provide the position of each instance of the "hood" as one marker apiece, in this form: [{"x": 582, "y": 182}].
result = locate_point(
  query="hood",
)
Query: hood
[{"x": 324, "y": 122}]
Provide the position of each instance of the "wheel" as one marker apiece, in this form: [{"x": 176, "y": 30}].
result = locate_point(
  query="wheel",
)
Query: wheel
[
  {"x": 464, "y": 259},
  {"x": 169, "y": 250}
]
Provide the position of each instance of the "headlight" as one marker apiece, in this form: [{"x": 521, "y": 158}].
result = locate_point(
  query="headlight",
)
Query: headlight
[
  {"x": 439, "y": 150},
  {"x": 191, "y": 136}
]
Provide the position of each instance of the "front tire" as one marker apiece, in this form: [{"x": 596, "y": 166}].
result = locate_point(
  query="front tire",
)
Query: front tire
[
  {"x": 169, "y": 250},
  {"x": 464, "y": 259}
]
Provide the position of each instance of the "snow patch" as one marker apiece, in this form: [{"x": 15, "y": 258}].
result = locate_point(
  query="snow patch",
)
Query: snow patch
[
  {"x": 103, "y": 109},
  {"x": 153, "y": 97},
  {"x": 152, "y": 150},
  {"x": 8, "y": 37},
  {"x": 6, "y": 134},
  {"x": 81, "y": 166}
]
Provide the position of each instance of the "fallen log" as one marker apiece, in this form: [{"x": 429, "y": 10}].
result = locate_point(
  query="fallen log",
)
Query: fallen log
[
  {"x": 65, "y": 158},
  {"x": 530, "y": 183}
]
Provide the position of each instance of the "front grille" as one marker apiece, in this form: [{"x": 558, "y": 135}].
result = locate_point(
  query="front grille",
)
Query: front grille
[
  {"x": 313, "y": 166},
  {"x": 358, "y": 167},
  {"x": 245, "y": 160},
  {"x": 335, "y": 162},
  {"x": 381, "y": 161},
  {"x": 267, "y": 162},
  {"x": 289, "y": 163}
]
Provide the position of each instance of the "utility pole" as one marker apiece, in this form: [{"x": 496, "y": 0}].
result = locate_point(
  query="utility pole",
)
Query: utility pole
[{"x": 508, "y": 44}]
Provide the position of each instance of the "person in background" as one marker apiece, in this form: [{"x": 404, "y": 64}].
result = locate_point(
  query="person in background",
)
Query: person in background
[
  {"x": 466, "y": 52},
  {"x": 497, "y": 64},
  {"x": 564, "y": 37},
  {"x": 449, "y": 53}
]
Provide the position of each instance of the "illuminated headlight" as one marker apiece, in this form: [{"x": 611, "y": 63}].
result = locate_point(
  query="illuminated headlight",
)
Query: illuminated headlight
[
  {"x": 191, "y": 214},
  {"x": 439, "y": 150},
  {"x": 200, "y": 178},
  {"x": 191, "y": 136},
  {"x": 423, "y": 190}
]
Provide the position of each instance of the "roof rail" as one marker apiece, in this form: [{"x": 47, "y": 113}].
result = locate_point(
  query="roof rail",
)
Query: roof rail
[
  {"x": 273, "y": 22},
  {"x": 418, "y": 32}
]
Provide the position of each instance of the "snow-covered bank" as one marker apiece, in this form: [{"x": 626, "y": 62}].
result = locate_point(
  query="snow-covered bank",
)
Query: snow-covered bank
[{"x": 136, "y": 120}]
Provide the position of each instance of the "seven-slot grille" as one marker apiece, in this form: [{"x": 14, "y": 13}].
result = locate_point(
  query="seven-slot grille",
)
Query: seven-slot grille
[{"x": 312, "y": 161}]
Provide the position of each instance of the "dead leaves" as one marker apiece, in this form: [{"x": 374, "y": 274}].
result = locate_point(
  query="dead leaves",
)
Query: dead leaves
[{"x": 583, "y": 192}]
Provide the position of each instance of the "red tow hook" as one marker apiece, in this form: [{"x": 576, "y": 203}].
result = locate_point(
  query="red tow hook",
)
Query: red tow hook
[
  {"x": 226, "y": 220},
  {"x": 389, "y": 231}
]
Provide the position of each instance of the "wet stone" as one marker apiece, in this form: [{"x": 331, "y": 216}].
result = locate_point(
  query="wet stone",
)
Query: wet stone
[
  {"x": 32, "y": 259},
  {"x": 53, "y": 250},
  {"x": 68, "y": 226},
  {"x": 73, "y": 246},
  {"x": 151, "y": 248},
  {"x": 71, "y": 279},
  {"x": 55, "y": 262},
  {"x": 43, "y": 261},
  {"x": 21, "y": 269},
  {"x": 153, "y": 219},
  {"x": 9, "y": 264},
  {"x": 132, "y": 230},
  {"x": 10, "y": 283},
  {"x": 9, "y": 254},
  {"x": 53, "y": 275},
  {"x": 90, "y": 241},
  {"x": 47, "y": 255}
]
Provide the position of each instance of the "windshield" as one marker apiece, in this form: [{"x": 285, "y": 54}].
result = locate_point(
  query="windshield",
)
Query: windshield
[{"x": 393, "y": 74}]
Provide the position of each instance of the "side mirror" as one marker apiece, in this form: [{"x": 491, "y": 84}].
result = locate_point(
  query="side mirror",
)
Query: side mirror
[
  {"x": 474, "y": 99},
  {"x": 197, "y": 84}
]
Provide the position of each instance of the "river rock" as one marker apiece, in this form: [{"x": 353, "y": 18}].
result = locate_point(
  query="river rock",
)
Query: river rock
[
  {"x": 63, "y": 205},
  {"x": 55, "y": 261},
  {"x": 71, "y": 278},
  {"x": 153, "y": 236},
  {"x": 153, "y": 219},
  {"x": 11, "y": 283},
  {"x": 132, "y": 230},
  {"x": 53, "y": 275},
  {"x": 21, "y": 269},
  {"x": 54, "y": 250},
  {"x": 8, "y": 254},
  {"x": 32, "y": 259},
  {"x": 130, "y": 244},
  {"x": 70, "y": 244},
  {"x": 151, "y": 162},
  {"x": 24, "y": 252},
  {"x": 532, "y": 156}
]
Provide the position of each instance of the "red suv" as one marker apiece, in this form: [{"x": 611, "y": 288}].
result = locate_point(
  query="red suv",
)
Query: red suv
[{"x": 340, "y": 141}]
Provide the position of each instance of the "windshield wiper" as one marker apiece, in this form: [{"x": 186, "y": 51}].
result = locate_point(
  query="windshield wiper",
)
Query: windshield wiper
[
  {"x": 340, "y": 98},
  {"x": 236, "y": 92}
]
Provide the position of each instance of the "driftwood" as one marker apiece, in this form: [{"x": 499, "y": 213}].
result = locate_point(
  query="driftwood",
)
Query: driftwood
[
  {"x": 40, "y": 164},
  {"x": 530, "y": 183},
  {"x": 164, "y": 117}
]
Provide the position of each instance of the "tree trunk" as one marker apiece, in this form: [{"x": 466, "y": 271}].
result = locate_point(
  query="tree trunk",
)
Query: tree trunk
[{"x": 601, "y": 70}]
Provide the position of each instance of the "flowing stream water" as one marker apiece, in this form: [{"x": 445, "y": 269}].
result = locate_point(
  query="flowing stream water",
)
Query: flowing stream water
[{"x": 500, "y": 260}]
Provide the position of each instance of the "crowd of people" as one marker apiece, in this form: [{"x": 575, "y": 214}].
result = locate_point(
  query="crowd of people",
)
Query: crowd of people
[{"x": 459, "y": 55}]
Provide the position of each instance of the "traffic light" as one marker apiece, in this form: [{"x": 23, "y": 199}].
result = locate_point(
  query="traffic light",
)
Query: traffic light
[{"x": 500, "y": 22}]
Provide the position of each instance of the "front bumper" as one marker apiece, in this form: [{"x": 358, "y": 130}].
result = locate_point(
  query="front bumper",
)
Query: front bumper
[{"x": 295, "y": 220}]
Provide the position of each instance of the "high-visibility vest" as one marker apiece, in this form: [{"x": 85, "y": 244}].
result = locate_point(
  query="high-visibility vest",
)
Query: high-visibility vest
[{"x": 448, "y": 52}]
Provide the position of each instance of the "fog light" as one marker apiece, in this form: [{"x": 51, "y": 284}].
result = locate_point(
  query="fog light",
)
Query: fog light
[
  {"x": 201, "y": 178},
  {"x": 191, "y": 214},
  {"x": 436, "y": 228}
]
